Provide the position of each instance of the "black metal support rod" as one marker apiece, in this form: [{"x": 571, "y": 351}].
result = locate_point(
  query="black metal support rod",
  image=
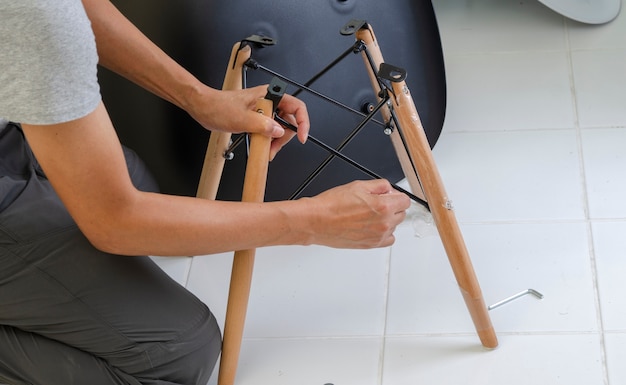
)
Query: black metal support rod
[
  {"x": 235, "y": 143},
  {"x": 373, "y": 67},
  {"x": 341, "y": 146},
  {"x": 352, "y": 162},
  {"x": 329, "y": 67},
  {"x": 255, "y": 65},
  {"x": 251, "y": 63},
  {"x": 394, "y": 117}
]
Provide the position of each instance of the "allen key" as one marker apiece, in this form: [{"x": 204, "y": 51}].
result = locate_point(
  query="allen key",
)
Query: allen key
[{"x": 516, "y": 296}]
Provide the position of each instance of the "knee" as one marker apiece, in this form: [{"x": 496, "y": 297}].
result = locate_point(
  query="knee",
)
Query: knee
[
  {"x": 205, "y": 357},
  {"x": 193, "y": 356}
]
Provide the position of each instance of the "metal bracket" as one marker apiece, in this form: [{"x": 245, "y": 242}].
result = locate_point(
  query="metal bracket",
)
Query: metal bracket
[
  {"x": 391, "y": 73},
  {"x": 256, "y": 41},
  {"x": 352, "y": 26},
  {"x": 259, "y": 41},
  {"x": 275, "y": 91}
]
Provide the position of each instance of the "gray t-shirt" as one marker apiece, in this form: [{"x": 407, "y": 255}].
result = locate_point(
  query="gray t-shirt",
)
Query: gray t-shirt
[{"x": 48, "y": 62}]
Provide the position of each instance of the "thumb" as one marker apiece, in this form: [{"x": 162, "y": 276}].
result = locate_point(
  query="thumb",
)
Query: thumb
[{"x": 261, "y": 124}]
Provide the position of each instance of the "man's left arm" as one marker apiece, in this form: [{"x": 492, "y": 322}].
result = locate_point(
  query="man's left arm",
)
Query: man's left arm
[{"x": 125, "y": 50}]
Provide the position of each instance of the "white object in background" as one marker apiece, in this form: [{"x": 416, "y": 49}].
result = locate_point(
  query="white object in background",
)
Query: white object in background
[{"x": 586, "y": 11}]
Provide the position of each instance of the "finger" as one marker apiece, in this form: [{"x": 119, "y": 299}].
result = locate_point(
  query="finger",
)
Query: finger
[
  {"x": 401, "y": 214},
  {"x": 273, "y": 129},
  {"x": 399, "y": 201},
  {"x": 378, "y": 186},
  {"x": 396, "y": 204},
  {"x": 293, "y": 106},
  {"x": 390, "y": 240},
  {"x": 257, "y": 123},
  {"x": 278, "y": 143},
  {"x": 384, "y": 241}
]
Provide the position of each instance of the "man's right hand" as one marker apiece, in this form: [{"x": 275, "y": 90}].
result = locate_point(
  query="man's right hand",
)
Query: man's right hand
[{"x": 360, "y": 214}]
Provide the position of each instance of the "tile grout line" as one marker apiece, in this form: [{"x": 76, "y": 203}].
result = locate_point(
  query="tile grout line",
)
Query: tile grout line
[
  {"x": 585, "y": 201},
  {"x": 189, "y": 270},
  {"x": 598, "y": 306},
  {"x": 383, "y": 339}
]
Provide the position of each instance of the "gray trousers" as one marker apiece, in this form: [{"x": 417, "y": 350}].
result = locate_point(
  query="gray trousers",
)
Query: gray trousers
[{"x": 71, "y": 314}]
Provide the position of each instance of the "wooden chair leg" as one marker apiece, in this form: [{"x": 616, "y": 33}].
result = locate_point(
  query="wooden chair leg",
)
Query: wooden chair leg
[
  {"x": 253, "y": 190},
  {"x": 243, "y": 261},
  {"x": 219, "y": 141},
  {"x": 418, "y": 164}
]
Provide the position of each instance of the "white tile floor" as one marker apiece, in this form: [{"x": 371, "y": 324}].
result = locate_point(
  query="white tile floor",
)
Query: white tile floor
[{"x": 533, "y": 154}]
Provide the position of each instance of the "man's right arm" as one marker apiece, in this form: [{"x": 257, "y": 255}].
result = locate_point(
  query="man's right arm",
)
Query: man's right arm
[{"x": 84, "y": 162}]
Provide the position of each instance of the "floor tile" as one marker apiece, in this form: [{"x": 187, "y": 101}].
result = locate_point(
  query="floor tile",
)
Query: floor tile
[
  {"x": 512, "y": 176},
  {"x": 595, "y": 37},
  {"x": 519, "y": 360},
  {"x": 550, "y": 258},
  {"x": 616, "y": 351},
  {"x": 600, "y": 81},
  {"x": 498, "y": 25},
  {"x": 304, "y": 291},
  {"x": 609, "y": 246},
  {"x": 508, "y": 91},
  {"x": 309, "y": 362},
  {"x": 604, "y": 157},
  {"x": 209, "y": 280}
]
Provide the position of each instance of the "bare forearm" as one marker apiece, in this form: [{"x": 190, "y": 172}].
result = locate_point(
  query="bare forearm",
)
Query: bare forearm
[
  {"x": 156, "y": 224},
  {"x": 356, "y": 215},
  {"x": 127, "y": 51},
  {"x": 84, "y": 162}
]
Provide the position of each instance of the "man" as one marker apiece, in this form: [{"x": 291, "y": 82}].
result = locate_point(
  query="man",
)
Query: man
[{"x": 74, "y": 203}]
